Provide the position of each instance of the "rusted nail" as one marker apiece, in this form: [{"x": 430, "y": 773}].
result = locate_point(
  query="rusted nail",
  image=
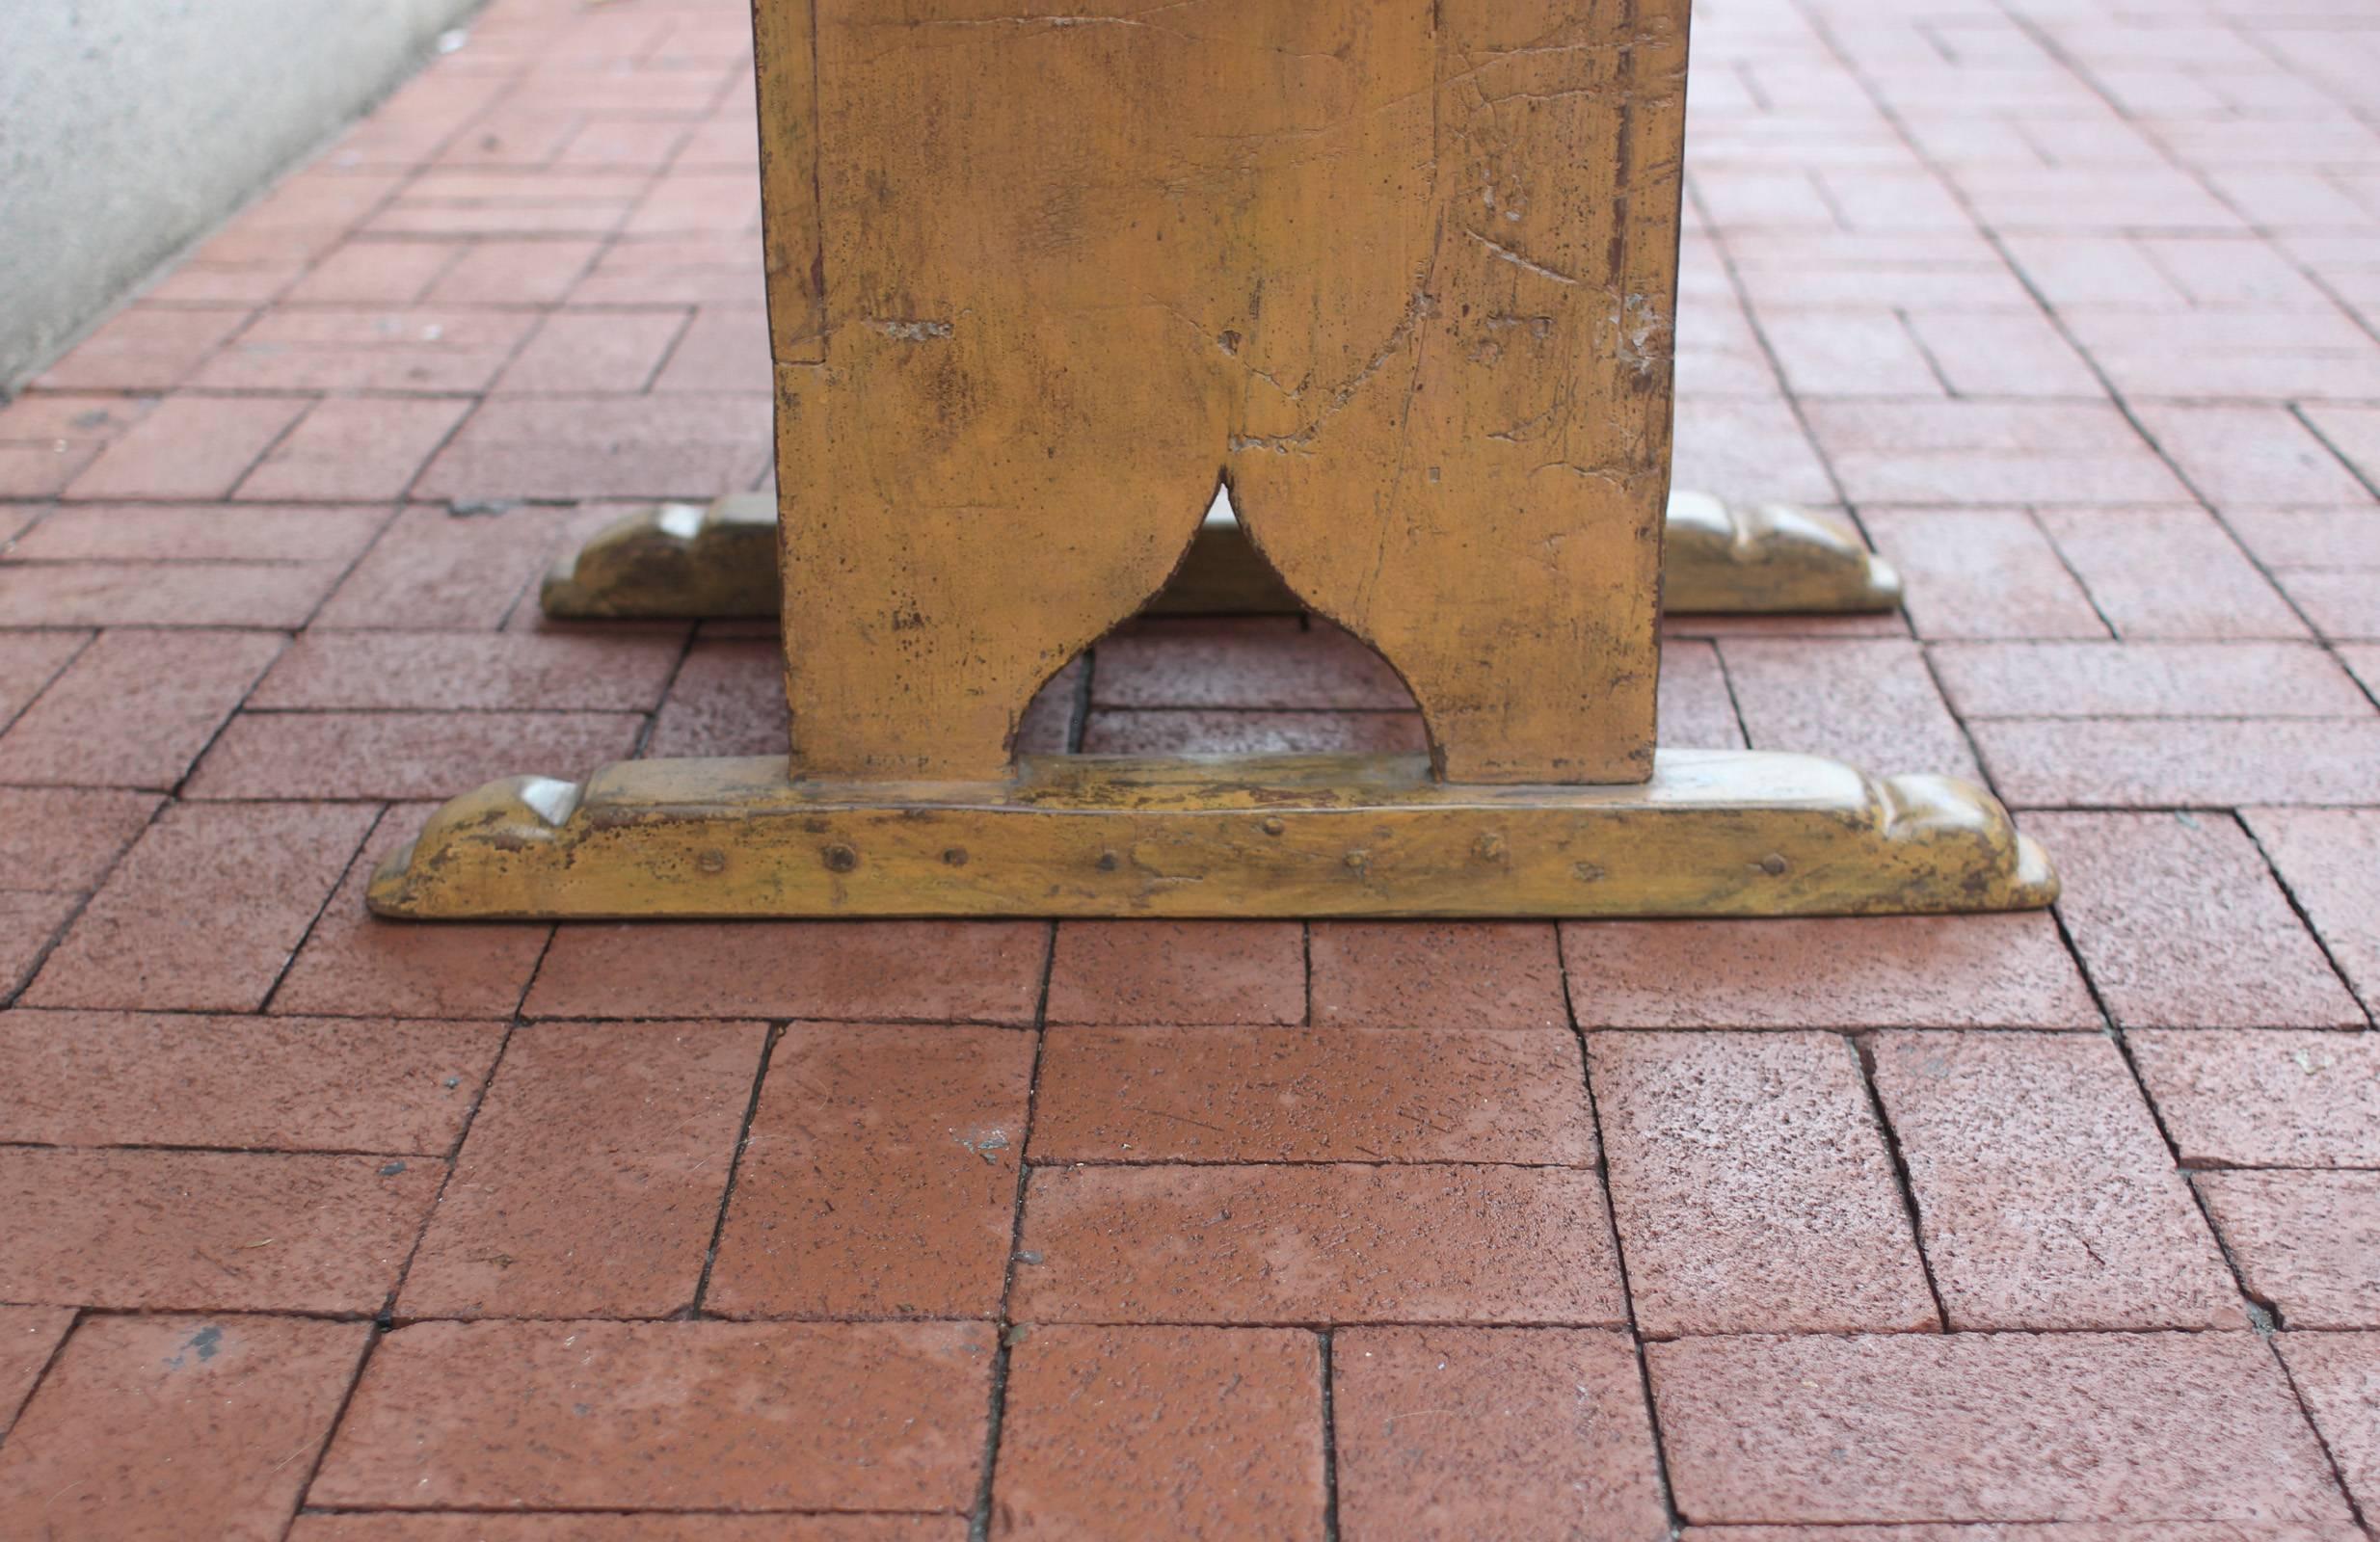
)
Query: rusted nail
[
  {"x": 1274, "y": 825},
  {"x": 839, "y": 859}
]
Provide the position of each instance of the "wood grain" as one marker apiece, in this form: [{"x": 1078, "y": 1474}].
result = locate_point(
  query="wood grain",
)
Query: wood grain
[{"x": 1400, "y": 272}]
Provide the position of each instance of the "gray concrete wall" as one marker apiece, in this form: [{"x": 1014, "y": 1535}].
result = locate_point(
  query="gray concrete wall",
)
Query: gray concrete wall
[{"x": 128, "y": 128}]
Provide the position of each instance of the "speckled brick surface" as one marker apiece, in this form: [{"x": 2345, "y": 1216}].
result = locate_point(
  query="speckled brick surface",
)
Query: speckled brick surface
[{"x": 1884, "y": 1229}]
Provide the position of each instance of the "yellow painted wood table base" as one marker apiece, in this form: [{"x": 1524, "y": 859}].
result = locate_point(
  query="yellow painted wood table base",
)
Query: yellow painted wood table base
[
  {"x": 1713, "y": 833},
  {"x": 1400, "y": 275},
  {"x": 692, "y": 562}
]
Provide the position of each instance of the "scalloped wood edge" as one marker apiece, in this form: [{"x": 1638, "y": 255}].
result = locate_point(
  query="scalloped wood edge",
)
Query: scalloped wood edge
[
  {"x": 689, "y": 561},
  {"x": 1713, "y": 833}
]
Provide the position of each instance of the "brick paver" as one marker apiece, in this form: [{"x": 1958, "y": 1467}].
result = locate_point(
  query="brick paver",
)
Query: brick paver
[
  {"x": 1982, "y": 572},
  {"x": 30, "y": 923},
  {"x": 2338, "y": 1374},
  {"x": 2330, "y": 860},
  {"x": 401, "y": 755},
  {"x": 1469, "y": 975},
  {"x": 181, "y": 595},
  {"x": 660, "y": 446},
  {"x": 190, "y": 447},
  {"x": 2175, "y": 763},
  {"x": 204, "y": 532},
  {"x": 1291, "y": 1094},
  {"x": 879, "y": 1178},
  {"x": 727, "y": 699},
  {"x": 1345, "y": 1244},
  {"x": 2056, "y": 1426},
  {"x": 1467, "y": 1432},
  {"x": 453, "y": 672},
  {"x": 134, "y": 710},
  {"x": 170, "y": 1078},
  {"x": 204, "y": 911},
  {"x": 437, "y": 568},
  {"x": 1169, "y": 732},
  {"x": 2264, "y": 1096},
  {"x": 351, "y": 964},
  {"x": 2145, "y": 679},
  {"x": 1696, "y": 708},
  {"x": 1870, "y": 702},
  {"x": 1980, "y": 971},
  {"x": 2053, "y": 1532},
  {"x": 1752, "y": 1187},
  {"x": 1175, "y": 1432},
  {"x": 2045, "y": 1196},
  {"x": 29, "y": 1335},
  {"x": 210, "y": 1231},
  {"x": 665, "y": 1416},
  {"x": 368, "y": 1525},
  {"x": 863, "y": 972},
  {"x": 2182, "y": 926},
  {"x": 176, "y": 1426},
  {"x": 2169, "y": 572},
  {"x": 146, "y": 347},
  {"x": 354, "y": 448},
  {"x": 2304, "y": 1242},
  {"x": 591, "y": 1179},
  {"x": 29, "y": 662},
  {"x": 939, "y": 1228},
  {"x": 1243, "y": 662},
  {"x": 1178, "y": 972},
  {"x": 64, "y": 839}
]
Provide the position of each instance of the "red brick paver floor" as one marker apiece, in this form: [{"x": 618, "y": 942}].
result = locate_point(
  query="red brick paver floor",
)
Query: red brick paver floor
[{"x": 2011, "y": 1229}]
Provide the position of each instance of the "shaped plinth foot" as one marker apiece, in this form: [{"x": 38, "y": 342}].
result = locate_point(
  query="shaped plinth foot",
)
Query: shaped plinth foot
[
  {"x": 1723, "y": 559},
  {"x": 1714, "y": 833},
  {"x": 673, "y": 562}
]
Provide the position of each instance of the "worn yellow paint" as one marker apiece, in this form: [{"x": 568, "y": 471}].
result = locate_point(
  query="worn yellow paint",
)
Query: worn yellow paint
[
  {"x": 783, "y": 46},
  {"x": 673, "y": 561},
  {"x": 1730, "y": 559},
  {"x": 1712, "y": 833},
  {"x": 1400, "y": 270}
]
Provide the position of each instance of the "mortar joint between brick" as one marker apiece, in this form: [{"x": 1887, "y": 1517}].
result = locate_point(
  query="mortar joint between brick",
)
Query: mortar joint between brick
[
  {"x": 1620, "y": 1259},
  {"x": 2321, "y": 1440},
  {"x": 1331, "y": 1439},
  {"x": 354, "y": 853},
  {"x": 694, "y": 1310},
  {"x": 660, "y": 702},
  {"x": 1863, "y": 1051},
  {"x": 57, "y": 1351},
  {"x": 2305, "y": 916},
  {"x": 979, "y": 1514}
]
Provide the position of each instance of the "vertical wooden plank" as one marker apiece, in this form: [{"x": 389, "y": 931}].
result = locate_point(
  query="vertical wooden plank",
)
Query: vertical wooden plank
[
  {"x": 1404, "y": 268},
  {"x": 786, "y": 61},
  {"x": 1481, "y": 497},
  {"x": 1014, "y": 437}
]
